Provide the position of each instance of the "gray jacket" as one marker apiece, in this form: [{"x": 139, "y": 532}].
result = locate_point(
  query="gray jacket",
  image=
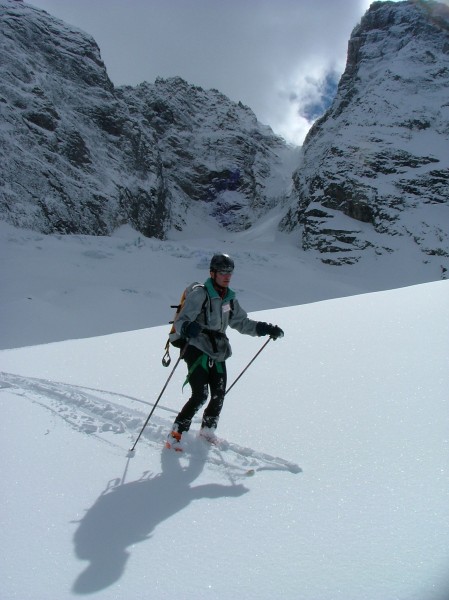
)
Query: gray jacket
[{"x": 204, "y": 305}]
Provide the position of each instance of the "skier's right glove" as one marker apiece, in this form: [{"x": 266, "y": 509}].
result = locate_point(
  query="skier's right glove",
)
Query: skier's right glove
[
  {"x": 273, "y": 331},
  {"x": 191, "y": 329}
]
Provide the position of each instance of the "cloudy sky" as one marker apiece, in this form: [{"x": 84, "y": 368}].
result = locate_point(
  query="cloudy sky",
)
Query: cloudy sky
[{"x": 279, "y": 57}]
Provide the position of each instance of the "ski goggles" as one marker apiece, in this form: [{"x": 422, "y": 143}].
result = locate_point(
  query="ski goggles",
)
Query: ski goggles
[{"x": 225, "y": 271}]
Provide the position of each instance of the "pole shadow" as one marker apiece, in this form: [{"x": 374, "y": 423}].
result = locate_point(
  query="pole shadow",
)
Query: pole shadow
[{"x": 128, "y": 513}]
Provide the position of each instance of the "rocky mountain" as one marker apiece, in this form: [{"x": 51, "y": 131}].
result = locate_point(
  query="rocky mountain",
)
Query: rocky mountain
[
  {"x": 81, "y": 156},
  {"x": 374, "y": 170}
]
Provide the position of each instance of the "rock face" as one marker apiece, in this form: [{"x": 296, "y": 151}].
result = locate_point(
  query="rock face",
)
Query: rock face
[
  {"x": 80, "y": 156},
  {"x": 375, "y": 168}
]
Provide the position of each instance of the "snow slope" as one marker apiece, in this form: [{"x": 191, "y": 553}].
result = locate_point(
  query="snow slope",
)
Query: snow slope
[
  {"x": 58, "y": 287},
  {"x": 354, "y": 400}
]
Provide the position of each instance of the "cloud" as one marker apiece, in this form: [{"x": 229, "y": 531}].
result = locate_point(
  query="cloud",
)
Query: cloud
[
  {"x": 318, "y": 95},
  {"x": 282, "y": 59}
]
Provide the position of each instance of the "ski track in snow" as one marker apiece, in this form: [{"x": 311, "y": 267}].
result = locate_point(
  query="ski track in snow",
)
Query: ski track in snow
[{"x": 94, "y": 412}]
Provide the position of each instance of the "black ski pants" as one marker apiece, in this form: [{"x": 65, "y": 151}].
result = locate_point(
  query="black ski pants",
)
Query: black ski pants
[{"x": 206, "y": 375}]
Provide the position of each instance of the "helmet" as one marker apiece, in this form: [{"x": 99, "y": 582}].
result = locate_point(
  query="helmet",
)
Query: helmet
[{"x": 222, "y": 263}]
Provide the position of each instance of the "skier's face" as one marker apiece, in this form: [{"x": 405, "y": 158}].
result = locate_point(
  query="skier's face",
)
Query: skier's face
[{"x": 222, "y": 279}]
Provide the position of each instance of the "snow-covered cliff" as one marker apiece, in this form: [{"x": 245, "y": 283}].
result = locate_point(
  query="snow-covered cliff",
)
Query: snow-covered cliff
[
  {"x": 374, "y": 172},
  {"x": 79, "y": 155}
]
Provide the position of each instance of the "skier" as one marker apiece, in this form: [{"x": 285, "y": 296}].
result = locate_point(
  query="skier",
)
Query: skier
[{"x": 202, "y": 321}]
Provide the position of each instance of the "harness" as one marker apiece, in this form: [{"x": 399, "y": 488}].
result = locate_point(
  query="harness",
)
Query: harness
[{"x": 206, "y": 363}]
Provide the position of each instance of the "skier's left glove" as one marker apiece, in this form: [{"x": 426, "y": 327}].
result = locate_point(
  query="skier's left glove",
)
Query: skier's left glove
[{"x": 273, "y": 331}]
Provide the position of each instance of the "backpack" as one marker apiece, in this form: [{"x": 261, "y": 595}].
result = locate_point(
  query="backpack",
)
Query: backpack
[{"x": 179, "y": 342}]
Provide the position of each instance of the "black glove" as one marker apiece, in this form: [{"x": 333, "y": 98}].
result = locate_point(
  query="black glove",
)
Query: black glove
[
  {"x": 273, "y": 331},
  {"x": 191, "y": 329}
]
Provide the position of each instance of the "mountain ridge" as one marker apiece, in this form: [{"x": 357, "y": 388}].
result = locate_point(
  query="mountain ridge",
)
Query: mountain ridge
[{"x": 82, "y": 156}]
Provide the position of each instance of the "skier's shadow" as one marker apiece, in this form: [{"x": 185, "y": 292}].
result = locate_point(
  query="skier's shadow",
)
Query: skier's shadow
[{"x": 127, "y": 513}]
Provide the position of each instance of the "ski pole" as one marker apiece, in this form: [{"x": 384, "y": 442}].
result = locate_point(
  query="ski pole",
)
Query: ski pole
[
  {"x": 159, "y": 397},
  {"x": 248, "y": 365}
]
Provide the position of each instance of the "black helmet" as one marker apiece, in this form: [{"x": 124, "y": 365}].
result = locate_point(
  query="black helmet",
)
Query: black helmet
[{"x": 222, "y": 263}]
